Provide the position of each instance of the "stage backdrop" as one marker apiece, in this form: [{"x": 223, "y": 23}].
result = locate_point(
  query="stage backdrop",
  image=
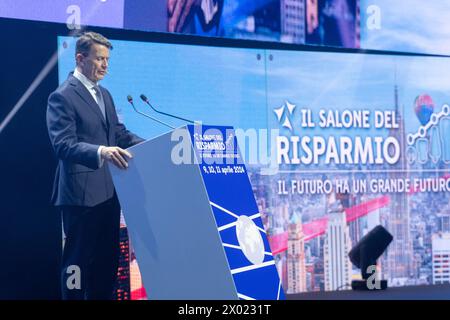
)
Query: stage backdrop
[{"x": 335, "y": 143}]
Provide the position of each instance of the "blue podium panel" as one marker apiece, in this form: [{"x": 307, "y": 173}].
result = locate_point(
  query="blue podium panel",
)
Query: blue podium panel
[
  {"x": 171, "y": 227},
  {"x": 236, "y": 213},
  {"x": 194, "y": 224}
]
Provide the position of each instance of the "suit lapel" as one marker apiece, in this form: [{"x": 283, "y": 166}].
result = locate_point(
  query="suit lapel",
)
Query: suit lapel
[{"x": 81, "y": 90}]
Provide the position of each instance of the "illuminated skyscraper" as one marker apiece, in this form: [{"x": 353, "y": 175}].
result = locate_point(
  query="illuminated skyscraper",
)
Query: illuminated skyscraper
[
  {"x": 400, "y": 253},
  {"x": 441, "y": 258},
  {"x": 337, "y": 265},
  {"x": 296, "y": 268},
  {"x": 293, "y": 21},
  {"x": 310, "y": 277},
  {"x": 122, "y": 287},
  {"x": 443, "y": 221}
]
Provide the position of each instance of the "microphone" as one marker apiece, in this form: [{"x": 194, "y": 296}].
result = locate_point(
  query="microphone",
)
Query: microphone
[
  {"x": 130, "y": 100},
  {"x": 145, "y": 99}
]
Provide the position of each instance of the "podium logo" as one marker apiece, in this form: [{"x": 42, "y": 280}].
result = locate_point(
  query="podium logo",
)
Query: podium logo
[
  {"x": 285, "y": 111},
  {"x": 250, "y": 240}
]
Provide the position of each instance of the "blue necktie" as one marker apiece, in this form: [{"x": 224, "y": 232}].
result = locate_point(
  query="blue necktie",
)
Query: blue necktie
[{"x": 100, "y": 101}]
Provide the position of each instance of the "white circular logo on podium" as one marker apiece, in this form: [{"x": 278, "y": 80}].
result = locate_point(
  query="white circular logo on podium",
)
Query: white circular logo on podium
[{"x": 250, "y": 240}]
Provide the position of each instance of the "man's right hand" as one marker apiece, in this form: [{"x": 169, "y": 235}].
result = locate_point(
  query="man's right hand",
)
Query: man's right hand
[{"x": 117, "y": 156}]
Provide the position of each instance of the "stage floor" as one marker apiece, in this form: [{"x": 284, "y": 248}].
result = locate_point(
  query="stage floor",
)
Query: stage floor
[{"x": 430, "y": 292}]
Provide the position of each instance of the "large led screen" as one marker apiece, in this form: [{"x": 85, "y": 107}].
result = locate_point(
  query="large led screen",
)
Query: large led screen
[{"x": 335, "y": 144}]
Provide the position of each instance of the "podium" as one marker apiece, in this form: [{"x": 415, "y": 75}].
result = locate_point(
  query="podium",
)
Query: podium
[{"x": 193, "y": 220}]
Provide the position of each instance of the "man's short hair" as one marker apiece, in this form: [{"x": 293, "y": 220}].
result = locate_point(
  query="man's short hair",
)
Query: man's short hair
[{"x": 87, "y": 39}]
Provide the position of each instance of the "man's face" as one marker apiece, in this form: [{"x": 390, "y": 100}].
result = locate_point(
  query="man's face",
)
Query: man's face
[{"x": 94, "y": 65}]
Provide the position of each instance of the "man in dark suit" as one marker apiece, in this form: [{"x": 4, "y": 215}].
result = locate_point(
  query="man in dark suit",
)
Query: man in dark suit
[{"x": 85, "y": 132}]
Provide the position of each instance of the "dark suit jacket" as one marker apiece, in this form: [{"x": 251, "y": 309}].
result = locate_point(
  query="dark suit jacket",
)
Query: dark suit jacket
[{"x": 77, "y": 128}]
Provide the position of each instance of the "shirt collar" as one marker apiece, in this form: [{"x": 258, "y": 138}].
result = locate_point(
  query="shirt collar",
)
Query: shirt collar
[{"x": 84, "y": 80}]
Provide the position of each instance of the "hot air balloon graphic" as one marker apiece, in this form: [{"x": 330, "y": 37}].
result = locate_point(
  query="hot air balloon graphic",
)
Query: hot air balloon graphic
[{"x": 424, "y": 107}]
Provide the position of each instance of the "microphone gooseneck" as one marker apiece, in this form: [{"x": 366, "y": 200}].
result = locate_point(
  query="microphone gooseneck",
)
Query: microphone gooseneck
[
  {"x": 130, "y": 100},
  {"x": 145, "y": 99}
]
